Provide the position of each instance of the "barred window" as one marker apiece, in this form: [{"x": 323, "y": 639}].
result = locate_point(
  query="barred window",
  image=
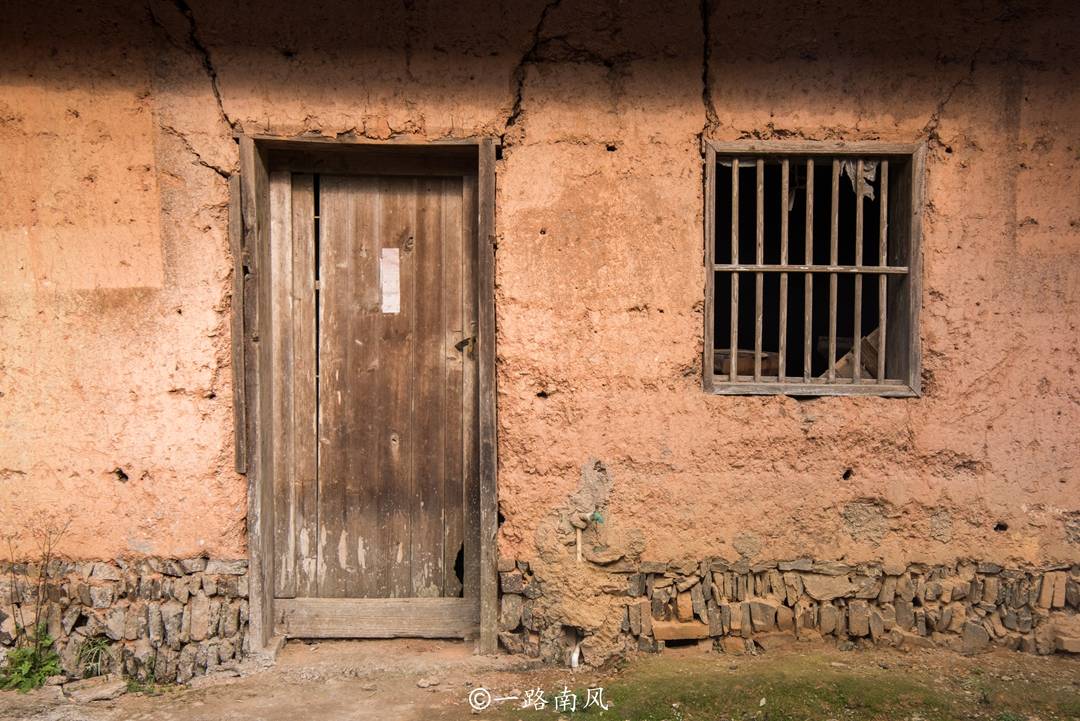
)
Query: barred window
[{"x": 813, "y": 282}]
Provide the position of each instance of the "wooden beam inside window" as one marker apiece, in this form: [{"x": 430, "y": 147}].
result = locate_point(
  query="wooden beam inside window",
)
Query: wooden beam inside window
[
  {"x": 782, "y": 339},
  {"x": 856, "y": 332},
  {"x": 883, "y": 255},
  {"x": 808, "y": 287},
  {"x": 733, "y": 362},
  {"x": 834, "y": 240},
  {"x": 760, "y": 256}
]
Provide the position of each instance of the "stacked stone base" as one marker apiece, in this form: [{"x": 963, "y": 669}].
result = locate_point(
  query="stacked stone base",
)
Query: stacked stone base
[
  {"x": 165, "y": 620},
  {"x": 967, "y": 607}
]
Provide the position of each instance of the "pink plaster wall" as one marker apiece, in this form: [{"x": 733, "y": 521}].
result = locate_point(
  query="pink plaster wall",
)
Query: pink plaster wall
[{"x": 114, "y": 278}]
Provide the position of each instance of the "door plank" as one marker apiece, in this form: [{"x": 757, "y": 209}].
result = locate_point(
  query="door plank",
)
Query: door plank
[
  {"x": 347, "y": 279},
  {"x": 377, "y": 617},
  {"x": 428, "y": 391},
  {"x": 281, "y": 359},
  {"x": 453, "y": 331},
  {"x": 357, "y": 391},
  {"x": 469, "y": 452},
  {"x": 304, "y": 419},
  {"x": 398, "y": 215},
  {"x": 489, "y": 463}
]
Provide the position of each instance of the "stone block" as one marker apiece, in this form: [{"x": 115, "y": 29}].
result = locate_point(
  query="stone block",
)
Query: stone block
[
  {"x": 697, "y": 601},
  {"x": 513, "y": 642},
  {"x": 100, "y": 596},
  {"x": 793, "y": 588},
  {"x": 633, "y": 618},
  {"x": 684, "y": 607},
  {"x": 185, "y": 666},
  {"x": 827, "y": 587},
  {"x": 877, "y": 624},
  {"x": 236, "y": 567},
  {"x": 828, "y": 619},
  {"x": 859, "y": 618},
  {"x": 105, "y": 572},
  {"x": 975, "y": 638},
  {"x": 679, "y": 631},
  {"x": 785, "y": 619},
  {"x": 99, "y": 688},
  {"x": 685, "y": 584},
  {"x": 867, "y": 587},
  {"x": 716, "y": 619},
  {"x": 512, "y": 581},
  {"x": 905, "y": 615},
  {"x": 1072, "y": 593},
  {"x": 510, "y": 607},
  {"x": 155, "y": 628},
  {"x": 763, "y": 615},
  {"x": 193, "y": 565},
  {"x": 199, "y": 617}
]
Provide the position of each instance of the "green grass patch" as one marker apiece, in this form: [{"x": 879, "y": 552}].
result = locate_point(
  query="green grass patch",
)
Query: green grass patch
[{"x": 806, "y": 688}]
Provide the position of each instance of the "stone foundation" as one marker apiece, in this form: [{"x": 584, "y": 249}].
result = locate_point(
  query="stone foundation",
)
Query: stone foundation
[
  {"x": 968, "y": 607},
  {"x": 165, "y": 619}
]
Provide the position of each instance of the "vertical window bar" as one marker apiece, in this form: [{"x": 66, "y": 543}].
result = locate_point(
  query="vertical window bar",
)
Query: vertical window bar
[
  {"x": 781, "y": 369},
  {"x": 733, "y": 361},
  {"x": 808, "y": 281},
  {"x": 760, "y": 258},
  {"x": 833, "y": 260},
  {"x": 883, "y": 259},
  {"x": 856, "y": 334}
]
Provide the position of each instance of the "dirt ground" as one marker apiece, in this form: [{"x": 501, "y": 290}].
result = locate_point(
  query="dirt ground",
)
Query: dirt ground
[{"x": 409, "y": 680}]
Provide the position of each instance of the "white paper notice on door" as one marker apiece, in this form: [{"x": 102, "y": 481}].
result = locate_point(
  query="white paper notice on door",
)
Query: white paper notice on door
[{"x": 390, "y": 280}]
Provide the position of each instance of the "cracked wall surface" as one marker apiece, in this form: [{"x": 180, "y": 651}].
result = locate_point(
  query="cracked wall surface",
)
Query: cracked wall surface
[{"x": 116, "y": 138}]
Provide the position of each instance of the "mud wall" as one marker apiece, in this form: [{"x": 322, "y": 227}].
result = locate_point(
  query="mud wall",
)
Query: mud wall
[{"x": 116, "y": 139}]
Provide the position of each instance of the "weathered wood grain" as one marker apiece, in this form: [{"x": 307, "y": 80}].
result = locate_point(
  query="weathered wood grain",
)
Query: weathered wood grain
[{"x": 377, "y": 617}]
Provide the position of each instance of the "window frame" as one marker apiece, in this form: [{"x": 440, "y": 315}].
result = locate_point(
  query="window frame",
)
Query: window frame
[{"x": 913, "y": 154}]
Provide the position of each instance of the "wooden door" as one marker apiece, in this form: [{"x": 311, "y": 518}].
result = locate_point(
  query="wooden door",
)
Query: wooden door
[{"x": 374, "y": 441}]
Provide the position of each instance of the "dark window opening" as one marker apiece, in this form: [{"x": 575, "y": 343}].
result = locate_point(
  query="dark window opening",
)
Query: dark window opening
[{"x": 807, "y": 292}]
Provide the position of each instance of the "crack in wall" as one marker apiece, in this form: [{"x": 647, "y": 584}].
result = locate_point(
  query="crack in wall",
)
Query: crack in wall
[
  {"x": 191, "y": 149},
  {"x": 711, "y": 119},
  {"x": 208, "y": 64},
  {"x": 528, "y": 57},
  {"x": 195, "y": 42},
  {"x": 1007, "y": 15}
]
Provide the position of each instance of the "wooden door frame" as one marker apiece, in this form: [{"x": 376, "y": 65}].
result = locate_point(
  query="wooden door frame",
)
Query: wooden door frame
[{"x": 249, "y": 240}]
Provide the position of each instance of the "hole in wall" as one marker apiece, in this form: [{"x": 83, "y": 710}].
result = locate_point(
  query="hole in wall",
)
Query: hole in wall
[
  {"x": 611, "y": 147},
  {"x": 120, "y": 474},
  {"x": 459, "y": 569},
  {"x": 543, "y": 231},
  {"x": 681, "y": 643},
  {"x": 1001, "y": 526},
  {"x": 848, "y": 473},
  {"x": 498, "y": 152},
  {"x": 542, "y": 394},
  {"x": 502, "y": 518}
]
